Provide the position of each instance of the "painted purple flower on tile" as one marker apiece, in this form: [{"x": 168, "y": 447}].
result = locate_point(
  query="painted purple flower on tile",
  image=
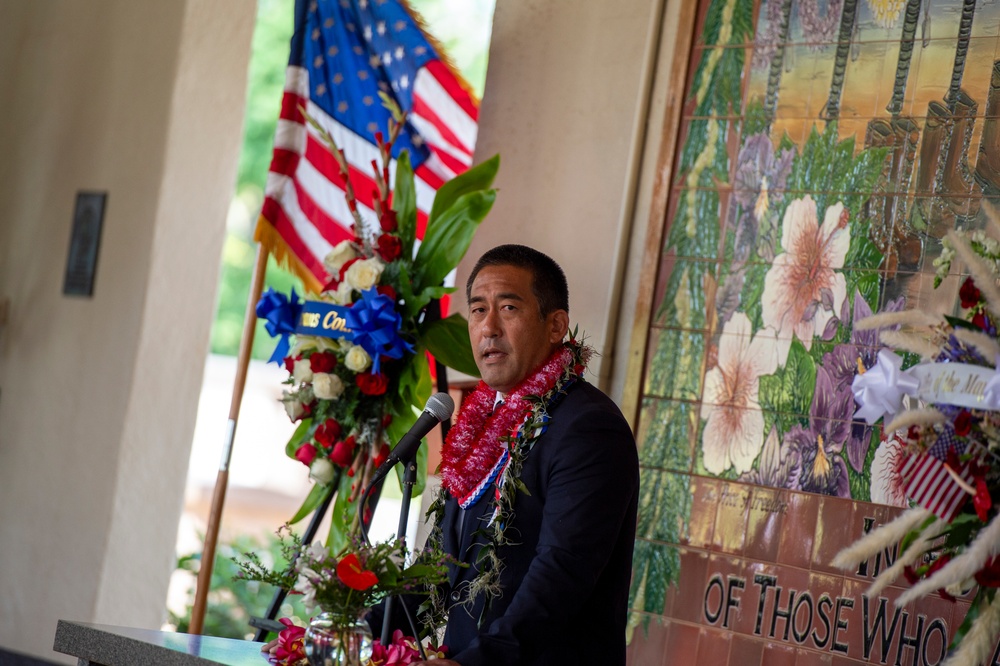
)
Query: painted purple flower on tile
[
  {"x": 777, "y": 467},
  {"x": 758, "y": 185},
  {"x": 820, "y": 445},
  {"x": 842, "y": 365}
]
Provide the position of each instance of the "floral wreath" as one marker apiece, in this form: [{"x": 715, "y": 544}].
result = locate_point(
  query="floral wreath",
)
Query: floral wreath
[
  {"x": 485, "y": 449},
  {"x": 946, "y": 410}
]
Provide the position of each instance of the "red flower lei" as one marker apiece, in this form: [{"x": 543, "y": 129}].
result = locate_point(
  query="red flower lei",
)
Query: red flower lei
[{"x": 478, "y": 437}]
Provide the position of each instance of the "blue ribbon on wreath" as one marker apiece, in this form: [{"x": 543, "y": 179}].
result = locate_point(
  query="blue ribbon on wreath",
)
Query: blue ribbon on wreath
[
  {"x": 280, "y": 313},
  {"x": 376, "y": 325}
]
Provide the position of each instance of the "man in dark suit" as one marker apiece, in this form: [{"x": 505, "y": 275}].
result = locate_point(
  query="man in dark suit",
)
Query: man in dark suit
[{"x": 545, "y": 518}]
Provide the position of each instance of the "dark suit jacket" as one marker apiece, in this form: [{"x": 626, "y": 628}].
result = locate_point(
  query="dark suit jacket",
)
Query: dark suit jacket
[{"x": 566, "y": 581}]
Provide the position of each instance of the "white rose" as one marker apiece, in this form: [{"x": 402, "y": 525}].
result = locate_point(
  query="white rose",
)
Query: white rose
[
  {"x": 302, "y": 371},
  {"x": 293, "y": 407},
  {"x": 321, "y": 471},
  {"x": 357, "y": 359},
  {"x": 364, "y": 274},
  {"x": 342, "y": 295},
  {"x": 327, "y": 386},
  {"x": 341, "y": 253}
]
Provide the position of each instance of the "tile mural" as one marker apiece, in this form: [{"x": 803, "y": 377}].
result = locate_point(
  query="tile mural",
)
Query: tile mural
[{"x": 825, "y": 148}]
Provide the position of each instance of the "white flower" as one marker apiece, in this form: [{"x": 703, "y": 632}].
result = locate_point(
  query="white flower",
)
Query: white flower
[
  {"x": 341, "y": 253},
  {"x": 340, "y": 296},
  {"x": 293, "y": 406},
  {"x": 801, "y": 290},
  {"x": 734, "y": 434},
  {"x": 364, "y": 274},
  {"x": 321, "y": 471},
  {"x": 302, "y": 371},
  {"x": 357, "y": 359},
  {"x": 327, "y": 386},
  {"x": 887, "y": 486}
]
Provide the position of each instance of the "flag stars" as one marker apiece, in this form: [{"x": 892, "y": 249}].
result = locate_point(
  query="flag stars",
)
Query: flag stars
[
  {"x": 400, "y": 53},
  {"x": 346, "y": 4},
  {"x": 420, "y": 50},
  {"x": 338, "y": 78},
  {"x": 417, "y": 140},
  {"x": 329, "y": 23},
  {"x": 363, "y": 74},
  {"x": 400, "y": 26},
  {"x": 318, "y": 61},
  {"x": 372, "y": 127},
  {"x": 358, "y": 50},
  {"x": 374, "y": 61},
  {"x": 332, "y": 51},
  {"x": 386, "y": 58},
  {"x": 382, "y": 85},
  {"x": 321, "y": 90},
  {"x": 381, "y": 27},
  {"x": 368, "y": 100},
  {"x": 315, "y": 34},
  {"x": 404, "y": 82},
  {"x": 351, "y": 27},
  {"x": 342, "y": 107},
  {"x": 368, "y": 33},
  {"x": 313, "y": 6},
  {"x": 363, "y": 4}
]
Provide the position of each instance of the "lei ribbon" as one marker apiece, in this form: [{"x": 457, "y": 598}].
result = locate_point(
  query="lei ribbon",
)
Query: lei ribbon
[
  {"x": 280, "y": 313},
  {"x": 376, "y": 325}
]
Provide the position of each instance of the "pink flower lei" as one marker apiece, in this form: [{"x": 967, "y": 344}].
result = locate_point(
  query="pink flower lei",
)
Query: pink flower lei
[{"x": 481, "y": 434}]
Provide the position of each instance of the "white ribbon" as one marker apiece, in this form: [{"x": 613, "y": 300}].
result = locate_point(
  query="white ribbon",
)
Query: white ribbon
[{"x": 880, "y": 390}]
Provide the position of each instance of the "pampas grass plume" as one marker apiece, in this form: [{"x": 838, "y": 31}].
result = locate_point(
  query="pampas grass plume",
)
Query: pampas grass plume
[{"x": 881, "y": 538}]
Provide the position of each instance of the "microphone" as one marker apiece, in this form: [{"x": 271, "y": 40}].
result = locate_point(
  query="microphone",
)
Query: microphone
[{"x": 438, "y": 408}]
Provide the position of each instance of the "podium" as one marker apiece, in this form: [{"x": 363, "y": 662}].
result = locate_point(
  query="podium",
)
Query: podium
[{"x": 106, "y": 645}]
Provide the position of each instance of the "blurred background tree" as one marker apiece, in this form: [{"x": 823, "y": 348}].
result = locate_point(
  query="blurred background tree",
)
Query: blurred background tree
[{"x": 463, "y": 26}]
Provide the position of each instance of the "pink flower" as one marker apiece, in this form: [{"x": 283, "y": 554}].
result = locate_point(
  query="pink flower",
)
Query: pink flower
[
  {"x": 734, "y": 434},
  {"x": 290, "y": 649},
  {"x": 801, "y": 290}
]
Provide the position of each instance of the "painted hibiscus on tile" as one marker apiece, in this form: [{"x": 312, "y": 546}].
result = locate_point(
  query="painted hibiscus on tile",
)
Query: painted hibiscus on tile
[
  {"x": 803, "y": 288},
  {"x": 734, "y": 432}
]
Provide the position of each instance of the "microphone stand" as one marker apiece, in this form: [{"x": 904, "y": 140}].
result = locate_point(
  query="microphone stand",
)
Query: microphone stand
[{"x": 409, "y": 480}]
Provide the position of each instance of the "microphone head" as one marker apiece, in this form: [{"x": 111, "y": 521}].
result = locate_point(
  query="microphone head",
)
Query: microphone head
[{"x": 440, "y": 406}]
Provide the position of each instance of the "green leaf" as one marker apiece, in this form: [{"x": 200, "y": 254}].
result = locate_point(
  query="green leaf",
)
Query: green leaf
[
  {"x": 342, "y": 515},
  {"x": 789, "y": 391},
  {"x": 303, "y": 432},
  {"x": 404, "y": 202},
  {"x": 312, "y": 501},
  {"x": 448, "y": 340},
  {"x": 957, "y": 322},
  {"x": 448, "y": 237},
  {"x": 478, "y": 178}
]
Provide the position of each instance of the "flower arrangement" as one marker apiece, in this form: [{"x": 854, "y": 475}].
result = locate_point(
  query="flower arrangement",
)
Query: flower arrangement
[
  {"x": 345, "y": 586},
  {"x": 356, "y": 353},
  {"x": 401, "y": 650},
  {"x": 950, "y": 432}
]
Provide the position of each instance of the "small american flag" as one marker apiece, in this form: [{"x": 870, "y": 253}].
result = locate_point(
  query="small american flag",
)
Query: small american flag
[
  {"x": 933, "y": 487},
  {"x": 343, "y": 54}
]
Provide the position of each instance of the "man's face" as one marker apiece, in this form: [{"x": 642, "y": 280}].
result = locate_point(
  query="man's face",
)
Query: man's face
[{"x": 509, "y": 336}]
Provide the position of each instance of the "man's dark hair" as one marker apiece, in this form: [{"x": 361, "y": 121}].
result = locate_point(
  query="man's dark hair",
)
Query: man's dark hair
[{"x": 548, "y": 280}]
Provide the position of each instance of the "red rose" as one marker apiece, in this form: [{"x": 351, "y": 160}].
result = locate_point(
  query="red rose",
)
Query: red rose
[
  {"x": 351, "y": 574},
  {"x": 372, "y": 383},
  {"x": 343, "y": 452},
  {"x": 982, "y": 501},
  {"x": 969, "y": 293},
  {"x": 390, "y": 247},
  {"x": 323, "y": 362},
  {"x": 306, "y": 454},
  {"x": 328, "y": 433},
  {"x": 963, "y": 423},
  {"x": 290, "y": 363},
  {"x": 981, "y": 320},
  {"x": 388, "y": 220},
  {"x": 386, "y": 290}
]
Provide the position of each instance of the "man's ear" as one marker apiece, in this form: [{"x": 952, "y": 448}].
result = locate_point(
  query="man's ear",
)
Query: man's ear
[{"x": 559, "y": 325}]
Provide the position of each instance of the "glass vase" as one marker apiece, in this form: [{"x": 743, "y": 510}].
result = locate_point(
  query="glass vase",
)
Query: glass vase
[{"x": 328, "y": 642}]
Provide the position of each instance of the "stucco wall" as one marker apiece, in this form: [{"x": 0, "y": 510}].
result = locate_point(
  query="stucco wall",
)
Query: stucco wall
[
  {"x": 143, "y": 100},
  {"x": 565, "y": 105}
]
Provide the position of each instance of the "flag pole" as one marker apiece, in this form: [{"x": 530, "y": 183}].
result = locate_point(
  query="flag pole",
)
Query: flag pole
[{"x": 222, "y": 480}]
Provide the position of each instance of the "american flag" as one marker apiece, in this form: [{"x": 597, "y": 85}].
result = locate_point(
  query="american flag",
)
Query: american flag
[
  {"x": 933, "y": 487},
  {"x": 343, "y": 54}
]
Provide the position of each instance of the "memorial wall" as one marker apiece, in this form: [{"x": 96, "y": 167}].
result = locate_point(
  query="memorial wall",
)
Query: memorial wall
[{"x": 824, "y": 149}]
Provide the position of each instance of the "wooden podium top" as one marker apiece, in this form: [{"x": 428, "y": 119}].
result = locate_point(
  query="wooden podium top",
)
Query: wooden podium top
[{"x": 105, "y": 645}]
